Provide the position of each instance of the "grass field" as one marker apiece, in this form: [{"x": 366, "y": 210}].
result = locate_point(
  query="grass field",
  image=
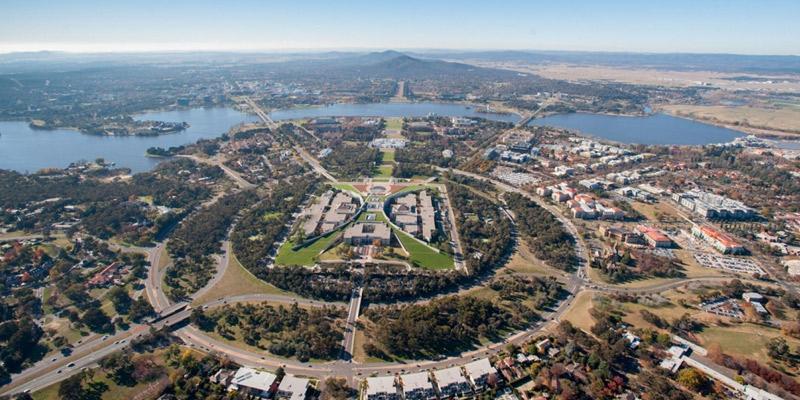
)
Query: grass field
[
  {"x": 786, "y": 118},
  {"x": 746, "y": 340},
  {"x": 387, "y": 156},
  {"x": 384, "y": 172},
  {"x": 305, "y": 255},
  {"x": 523, "y": 261},
  {"x": 345, "y": 186},
  {"x": 578, "y": 312},
  {"x": 237, "y": 280},
  {"x": 423, "y": 255},
  {"x": 394, "y": 123}
]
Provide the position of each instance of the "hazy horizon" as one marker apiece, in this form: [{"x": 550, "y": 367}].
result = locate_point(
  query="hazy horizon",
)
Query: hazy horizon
[{"x": 709, "y": 27}]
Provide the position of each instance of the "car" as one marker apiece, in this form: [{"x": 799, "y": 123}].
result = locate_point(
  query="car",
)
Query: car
[
  {"x": 70, "y": 365},
  {"x": 117, "y": 342},
  {"x": 105, "y": 337},
  {"x": 58, "y": 372},
  {"x": 53, "y": 359}
]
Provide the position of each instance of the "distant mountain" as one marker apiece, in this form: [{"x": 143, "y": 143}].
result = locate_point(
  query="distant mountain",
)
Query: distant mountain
[
  {"x": 666, "y": 61},
  {"x": 396, "y": 65}
]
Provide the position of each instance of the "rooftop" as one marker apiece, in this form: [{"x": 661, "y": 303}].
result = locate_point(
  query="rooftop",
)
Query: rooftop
[
  {"x": 449, "y": 376},
  {"x": 254, "y": 379},
  {"x": 479, "y": 368},
  {"x": 380, "y": 384}
]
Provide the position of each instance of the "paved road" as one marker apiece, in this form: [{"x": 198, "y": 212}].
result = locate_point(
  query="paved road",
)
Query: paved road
[
  {"x": 260, "y": 112},
  {"x": 318, "y": 168},
  {"x": 351, "y": 325},
  {"x": 235, "y": 176},
  {"x": 46, "y": 373},
  {"x": 155, "y": 280},
  {"x": 223, "y": 261}
]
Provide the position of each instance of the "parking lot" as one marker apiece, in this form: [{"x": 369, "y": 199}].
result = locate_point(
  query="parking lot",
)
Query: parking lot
[{"x": 731, "y": 264}]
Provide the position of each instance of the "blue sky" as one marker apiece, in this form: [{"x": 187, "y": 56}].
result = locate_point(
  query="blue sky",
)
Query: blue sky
[{"x": 714, "y": 26}]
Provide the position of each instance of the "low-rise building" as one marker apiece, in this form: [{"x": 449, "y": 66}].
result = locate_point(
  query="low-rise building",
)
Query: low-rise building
[
  {"x": 479, "y": 372},
  {"x": 366, "y": 233},
  {"x": 654, "y": 237},
  {"x": 417, "y": 386},
  {"x": 451, "y": 382},
  {"x": 253, "y": 382},
  {"x": 382, "y": 388},
  {"x": 293, "y": 388}
]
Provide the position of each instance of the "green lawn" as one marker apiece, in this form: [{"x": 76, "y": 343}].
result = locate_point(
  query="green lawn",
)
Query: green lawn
[
  {"x": 423, "y": 255},
  {"x": 379, "y": 216},
  {"x": 345, "y": 186},
  {"x": 305, "y": 255},
  {"x": 384, "y": 171},
  {"x": 394, "y": 123},
  {"x": 387, "y": 156}
]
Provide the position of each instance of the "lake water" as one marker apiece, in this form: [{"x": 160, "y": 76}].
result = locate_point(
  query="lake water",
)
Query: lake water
[
  {"x": 421, "y": 109},
  {"x": 651, "y": 129},
  {"x": 28, "y": 150}
]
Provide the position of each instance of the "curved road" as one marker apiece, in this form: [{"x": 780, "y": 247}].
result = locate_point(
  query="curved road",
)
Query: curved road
[{"x": 44, "y": 374}]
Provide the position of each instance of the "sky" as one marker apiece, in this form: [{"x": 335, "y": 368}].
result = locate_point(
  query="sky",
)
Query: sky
[{"x": 696, "y": 26}]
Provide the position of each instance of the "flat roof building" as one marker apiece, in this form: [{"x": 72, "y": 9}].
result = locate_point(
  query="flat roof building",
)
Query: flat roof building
[
  {"x": 253, "y": 382},
  {"x": 417, "y": 386},
  {"x": 479, "y": 371},
  {"x": 382, "y": 388},
  {"x": 365, "y": 233},
  {"x": 293, "y": 388},
  {"x": 451, "y": 382}
]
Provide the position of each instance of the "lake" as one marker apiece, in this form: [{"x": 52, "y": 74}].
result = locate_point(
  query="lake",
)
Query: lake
[
  {"x": 27, "y": 150},
  {"x": 651, "y": 129},
  {"x": 421, "y": 109}
]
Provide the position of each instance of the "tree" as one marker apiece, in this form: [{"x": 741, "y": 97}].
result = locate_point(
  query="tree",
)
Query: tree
[
  {"x": 777, "y": 348},
  {"x": 71, "y": 388},
  {"x": 140, "y": 309},
  {"x": 120, "y": 298},
  {"x": 97, "y": 320},
  {"x": 692, "y": 379},
  {"x": 337, "y": 389},
  {"x": 120, "y": 366}
]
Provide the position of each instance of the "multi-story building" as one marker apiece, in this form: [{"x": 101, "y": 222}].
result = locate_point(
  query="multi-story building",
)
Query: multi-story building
[
  {"x": 713, "y": 206},
  {"x": 721, "y": 241}
]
